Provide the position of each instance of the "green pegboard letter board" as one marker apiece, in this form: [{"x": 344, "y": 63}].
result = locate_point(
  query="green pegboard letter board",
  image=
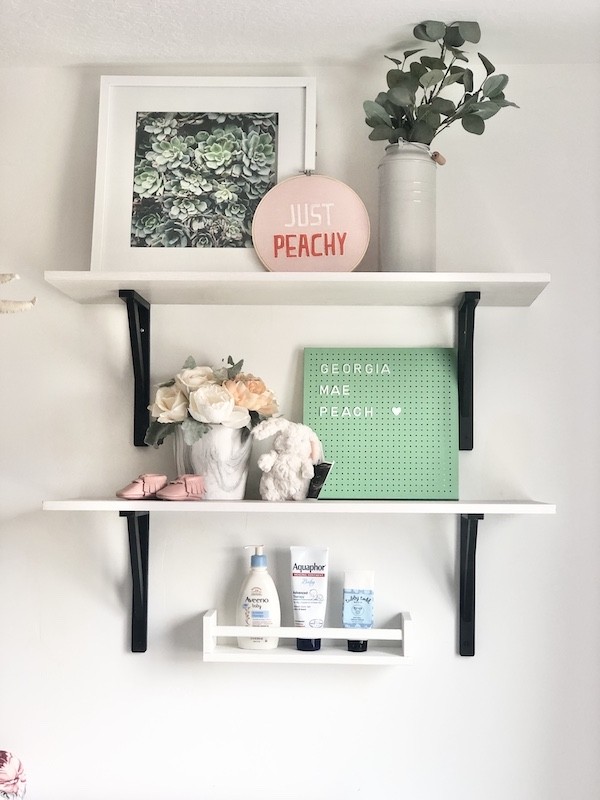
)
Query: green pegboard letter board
[{"x": 388, "y": 418}]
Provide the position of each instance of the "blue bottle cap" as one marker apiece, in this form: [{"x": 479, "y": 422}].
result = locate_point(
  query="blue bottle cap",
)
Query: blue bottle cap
[{"x": 259, "y": 559}]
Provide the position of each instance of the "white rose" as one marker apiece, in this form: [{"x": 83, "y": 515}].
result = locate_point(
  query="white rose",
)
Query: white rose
[
  {"x": 240, "y": 418},
  {"x": 170, "y": 404},
  {"x": 214, "y": 405},
  {"x": 188, "y": 380}
]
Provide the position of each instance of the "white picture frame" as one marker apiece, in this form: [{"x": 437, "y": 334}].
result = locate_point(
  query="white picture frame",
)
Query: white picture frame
[{"x": 123, "y": 98}]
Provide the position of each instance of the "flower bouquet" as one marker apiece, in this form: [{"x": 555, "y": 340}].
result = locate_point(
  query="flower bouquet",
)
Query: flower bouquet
[{"x": 211, "y": 411}]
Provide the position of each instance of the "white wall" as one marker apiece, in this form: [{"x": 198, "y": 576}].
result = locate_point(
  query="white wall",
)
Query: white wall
[{"x": 520, "y": 720}]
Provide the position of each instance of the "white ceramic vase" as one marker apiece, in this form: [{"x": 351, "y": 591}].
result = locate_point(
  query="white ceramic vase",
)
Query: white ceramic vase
[
  {"x": 407, "y": 199},
  {"x": 221, "y": 456}
]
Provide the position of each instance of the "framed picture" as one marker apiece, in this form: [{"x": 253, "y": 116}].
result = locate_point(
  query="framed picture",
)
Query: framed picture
[{"x": 183, "y": 163}]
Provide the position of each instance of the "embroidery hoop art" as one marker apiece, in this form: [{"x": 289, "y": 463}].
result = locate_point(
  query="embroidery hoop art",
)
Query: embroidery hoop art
[{"x": 311, "y": 223}]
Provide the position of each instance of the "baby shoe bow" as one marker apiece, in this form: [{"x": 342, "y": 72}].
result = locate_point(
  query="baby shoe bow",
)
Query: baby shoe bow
[
  {"x": 185, "y": 487},
  {"x": 144, "y": 487}
]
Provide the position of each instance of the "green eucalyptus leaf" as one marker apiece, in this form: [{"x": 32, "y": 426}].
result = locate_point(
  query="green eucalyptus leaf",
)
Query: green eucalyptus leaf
[
  {"x": 466, "y": 106},
  {"x": 376, "y": 115},
  {"x": 429, "y": 31},
  {"x": 455, "y": 75},
  {"x": 494, "y": 85},
  {"x": 431, "y": 78},
  {"x": 422, "y": 132},
  {"x": 473, "y": 124},
  {"x": 489, "y": 67},
  {"x": 443, "y": 106},
  {"x": 397, "y": 61},
  {"x": 420, "y": 32},
  {"x": 234, "y": 368},
  {"x": 505, "y": 103},
  {"x": 158, "y": 431},
  {"x": 430, "y": 116},
  {"x": 459, "y": 55},
  {"x": 409, "y": 53},
  {"x": 470, "y": 31},
  {"x": 380, "y": 133},
  {"x": 190, "y": 363},
  {"x": 396, "y": 77},
  {"x": 435, "y": 29},
  {"x": 432, "y": 63},
  {"x": 417, "y": 70},
  {"x": 453, "y": 36},
  {"x": 393, "y": 77},
  {"x": 381, "y": 99},
  {"x": 485, "y": 109},
  {"x": 170, "y": 382},
  {"x": 467, "y": 80},
  {"x": 401, "y": 96}
]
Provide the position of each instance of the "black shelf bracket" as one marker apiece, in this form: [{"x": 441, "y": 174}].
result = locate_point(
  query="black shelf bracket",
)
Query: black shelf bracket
[
  {"x": 468, "y": 544},
  {"x": 466, "y": 329},
  {"x": 138, "y": 313},
  {"x": 138, "y": 529}
]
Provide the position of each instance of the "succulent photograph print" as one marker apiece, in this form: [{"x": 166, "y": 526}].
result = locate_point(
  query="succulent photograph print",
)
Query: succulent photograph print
[{"x": 198, "y": 177}]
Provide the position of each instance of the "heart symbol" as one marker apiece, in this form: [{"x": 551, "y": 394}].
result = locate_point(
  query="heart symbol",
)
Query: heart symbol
[{"x": 396, "y": 411}]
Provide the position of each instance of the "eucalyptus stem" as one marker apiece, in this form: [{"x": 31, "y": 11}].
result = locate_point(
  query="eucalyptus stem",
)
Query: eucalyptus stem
[{"x": 405, "y": 106}]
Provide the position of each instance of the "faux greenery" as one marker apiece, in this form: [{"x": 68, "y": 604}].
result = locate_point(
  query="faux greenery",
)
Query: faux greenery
[{"x": 413, "y": 108}]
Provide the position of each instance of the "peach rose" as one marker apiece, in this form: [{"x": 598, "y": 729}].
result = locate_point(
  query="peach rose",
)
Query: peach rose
[{"x": 251, "y": 393}]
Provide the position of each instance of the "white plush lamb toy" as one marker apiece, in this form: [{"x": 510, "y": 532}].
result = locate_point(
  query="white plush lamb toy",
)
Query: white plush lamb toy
[{"x": 289, "y": 466}]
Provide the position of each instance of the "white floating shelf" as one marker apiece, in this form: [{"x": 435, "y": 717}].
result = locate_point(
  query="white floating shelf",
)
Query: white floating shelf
[
  {"x": 308, "y": 506},
  {"x": 303, "y": 288},
  {"x": 333, "y": 644}
]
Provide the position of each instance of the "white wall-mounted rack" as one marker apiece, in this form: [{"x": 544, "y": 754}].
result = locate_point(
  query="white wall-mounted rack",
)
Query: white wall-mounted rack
[{"x": 387, "y": 646}]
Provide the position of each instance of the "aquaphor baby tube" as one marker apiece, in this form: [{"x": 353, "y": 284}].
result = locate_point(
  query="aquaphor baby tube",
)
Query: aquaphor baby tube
[{"x": 309, "y": 572}]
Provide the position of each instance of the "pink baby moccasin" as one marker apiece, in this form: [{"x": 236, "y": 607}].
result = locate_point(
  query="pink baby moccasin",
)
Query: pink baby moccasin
[
  {"x": 143, "y": 488},
  {"x": 185, "y": 487}
]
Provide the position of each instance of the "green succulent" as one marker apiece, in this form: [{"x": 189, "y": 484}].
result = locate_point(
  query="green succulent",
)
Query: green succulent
[
  {"x": 145, "y": 222},
  {"x": 163, "y": 127},
  {"x": 225, "y": 193},
  {"x": 182, "y": 208},
  {"x": 169, "y": 234},
  {"x": 413, "y": 108},
  {"x": 168, "y": 154},
  {"x": 220, "y": 149},
  {"x": 147, "y": 181},
  {"x": 258, "y": 156}
]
